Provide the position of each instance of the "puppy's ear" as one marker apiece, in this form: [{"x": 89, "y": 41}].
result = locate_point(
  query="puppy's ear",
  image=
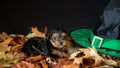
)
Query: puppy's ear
[{"x": 46, "y": 30}]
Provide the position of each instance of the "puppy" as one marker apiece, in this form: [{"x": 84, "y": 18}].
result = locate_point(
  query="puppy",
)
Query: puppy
[
  {"x": 51, "y": 45},
  {"x": 55, "y": 44},
  {"x": 58, "y": 39}
]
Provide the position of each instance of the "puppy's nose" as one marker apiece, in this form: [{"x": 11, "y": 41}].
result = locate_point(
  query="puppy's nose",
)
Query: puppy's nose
[{"x": 61, "y": 43}]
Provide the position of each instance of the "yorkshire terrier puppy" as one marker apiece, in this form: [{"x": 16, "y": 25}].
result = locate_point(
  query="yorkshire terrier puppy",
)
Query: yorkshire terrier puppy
[
  {"x": 50, "y": 45},
  {"x": 55, "y": 44},
  {"x": 58, "y": 39}
]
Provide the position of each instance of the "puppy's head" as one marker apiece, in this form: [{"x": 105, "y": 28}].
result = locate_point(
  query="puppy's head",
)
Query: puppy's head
[{"x": 57, "y": 37}]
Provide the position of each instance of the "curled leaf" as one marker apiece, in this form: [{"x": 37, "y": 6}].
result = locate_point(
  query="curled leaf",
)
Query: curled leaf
[
  {"x": 38, "y": 33},
  {"x": 44, "y": 64},
  {"x": 111, "y": 63},
  {"x": 35, "y": 58}
]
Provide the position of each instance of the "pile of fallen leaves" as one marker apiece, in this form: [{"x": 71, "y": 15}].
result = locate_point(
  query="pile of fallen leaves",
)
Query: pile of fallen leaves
[{"x": 12, "y": 57}]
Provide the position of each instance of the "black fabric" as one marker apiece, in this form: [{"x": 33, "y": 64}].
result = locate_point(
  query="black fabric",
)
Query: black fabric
[
  {"x": 18, "y": 16},
  {"x": 110, "y": 26}
]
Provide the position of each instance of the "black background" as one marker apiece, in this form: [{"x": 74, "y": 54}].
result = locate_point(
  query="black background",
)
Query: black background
[{"x": 17, "y": 16}]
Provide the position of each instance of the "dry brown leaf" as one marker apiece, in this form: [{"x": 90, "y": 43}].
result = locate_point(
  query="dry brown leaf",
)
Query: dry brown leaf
[
  {"x": 106, "y": 56},
  {"x": 17, "y": 43},
  {"x": 17, "y": 39},
  {"x": 35, "y": 58},
  {"x": 73, "y": 55},
  {"x": 19, "y": 65},
  {"x": 44, "y": 64},
  {"x": 111, "y": 62},
  {"x": 62, "y": 62},
  {"x": 86, "y": 51},
  {"x": 20, "y": 55},
  {"x": 23, "y": 64},
  {"x": 104, "y": 66},
  {"x": 6, "y": 42},
  {"x": 73, "y": 65},
  {"x": 38, "y": 33},
  {"x": 30, "y": 35},
  {"x": 92, "y": 53},
  {"x": 5, "y": 49},
  {"x": 15, "y": 66},
  {"x": 78, "y": 60},
  {"x": 90, "y": 56},
  {"x": 3, "y": 36},
  {"x": 16, "y": 48},
  {"x": 29, "y": 65},
  {"x": 37, "y": 65}
]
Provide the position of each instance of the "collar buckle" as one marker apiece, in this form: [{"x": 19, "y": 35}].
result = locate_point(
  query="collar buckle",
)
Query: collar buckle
[{"x": 97, "y": 41}]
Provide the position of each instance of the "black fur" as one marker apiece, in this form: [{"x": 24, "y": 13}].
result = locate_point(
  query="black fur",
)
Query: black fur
[
  {"x": 33, "y": 45},
  {"x": 36, "y": 46}
]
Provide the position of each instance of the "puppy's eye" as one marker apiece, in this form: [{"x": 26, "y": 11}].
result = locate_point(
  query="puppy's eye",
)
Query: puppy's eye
[{"x": 54, "y": 39}]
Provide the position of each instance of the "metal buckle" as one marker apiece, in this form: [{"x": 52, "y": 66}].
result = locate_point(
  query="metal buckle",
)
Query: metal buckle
[{"x": 99, "y": 38}]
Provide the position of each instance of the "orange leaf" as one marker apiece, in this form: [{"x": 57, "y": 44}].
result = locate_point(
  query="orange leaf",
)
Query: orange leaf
[
  {"x": 6, "y": 42},
  {"x": 73, "y": 65},
  {"x": 39, "y": 34},
  {"x": 44, "y": 64},
  {"x": 35, "y": 58}
]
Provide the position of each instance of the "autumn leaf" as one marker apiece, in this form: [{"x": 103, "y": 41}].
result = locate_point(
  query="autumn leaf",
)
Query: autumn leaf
[
  {"x": 62, "y": 62},
  {"x": 44, "y": 64},
  {"x": 27, "y": 64},
  {"x": 73, "y": 65},
  {"x": 6, "y": 42},
  {"x": 38, "y": 33},
  {"x": 3, "y": 36},
  {"x": 35, "y": 58}
]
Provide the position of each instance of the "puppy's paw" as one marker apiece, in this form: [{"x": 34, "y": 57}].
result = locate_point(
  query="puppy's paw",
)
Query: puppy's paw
[
  {"x": 55, "y": 52},
  {"x": 59, "y": 53}
]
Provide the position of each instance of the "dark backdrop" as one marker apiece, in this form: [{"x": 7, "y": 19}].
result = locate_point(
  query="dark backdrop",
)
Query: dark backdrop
[{"x": 18, "y": 16}]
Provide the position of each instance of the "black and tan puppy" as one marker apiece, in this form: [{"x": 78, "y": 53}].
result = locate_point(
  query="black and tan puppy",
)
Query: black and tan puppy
[
  {"x": 54, "y": 44},
  {"x": 51, "y": 45},
  {"x": 58, "y": 39}
]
